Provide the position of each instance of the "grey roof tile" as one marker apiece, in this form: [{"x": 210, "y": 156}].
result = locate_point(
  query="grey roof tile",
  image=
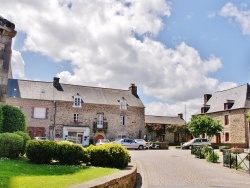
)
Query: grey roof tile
[
  {"x": 41, "y": 90},
  {"x": 168, "y": 120}
]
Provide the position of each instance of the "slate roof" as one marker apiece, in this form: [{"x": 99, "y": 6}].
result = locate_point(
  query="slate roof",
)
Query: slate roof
[
  {"x": 167, "y": 120},
  {"x": 41, "y": 90},
  {"x": 240, "y": 95}
]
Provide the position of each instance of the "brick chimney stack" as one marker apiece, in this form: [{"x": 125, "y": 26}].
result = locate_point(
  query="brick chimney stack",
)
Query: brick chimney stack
[
  {"x": 133, "y": 89},
  {"x": 206, "y": 98},
  {"x": 180, "y": 116},
  {"x": 56, "y": 82}
]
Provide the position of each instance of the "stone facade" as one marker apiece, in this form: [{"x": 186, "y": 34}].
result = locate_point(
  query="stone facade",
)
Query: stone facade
[{"x": 236, "y": 129}]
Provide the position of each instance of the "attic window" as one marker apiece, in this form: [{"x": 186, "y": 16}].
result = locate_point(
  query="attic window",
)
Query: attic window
[
  {"x": 204, "y": 109},
  {"x": 123, "y": 103},
  {"x": 77, "y": 101},
  {"x": 228, "y": 105}
]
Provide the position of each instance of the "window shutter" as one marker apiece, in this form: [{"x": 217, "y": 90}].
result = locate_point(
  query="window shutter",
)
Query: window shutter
[
  {"x": 32, "y": 112},
  {"x": 47, "y": 113}
]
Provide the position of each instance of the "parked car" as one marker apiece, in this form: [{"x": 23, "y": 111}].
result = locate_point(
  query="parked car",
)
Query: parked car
[
  {"x": 143, "y": 142},
  {"x": 40, "y": 138},
  {"x": 130, "y": 143},
  {"x": 196, "y": 142},
  {"x": 102, "y": 141}
]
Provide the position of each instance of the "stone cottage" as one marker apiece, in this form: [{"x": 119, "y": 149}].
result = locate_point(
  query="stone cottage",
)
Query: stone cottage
[
  {"x": 230, "y": 107},
  {"x": 157, "y": 128},
  {"x": 77, "y": 113}
]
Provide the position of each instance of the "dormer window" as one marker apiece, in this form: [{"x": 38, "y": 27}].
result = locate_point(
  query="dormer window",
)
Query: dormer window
[
  {"x": 123, "y": 103},
  {"x": 77, "y": 101},
  {"x": 228, "y": 105},
  {"x": 205, "y": 108}
]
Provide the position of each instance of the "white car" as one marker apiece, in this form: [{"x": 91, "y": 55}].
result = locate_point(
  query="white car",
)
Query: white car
[
  {"x": 196, "y": 142},
  {"x": 130, "y": 143},
  {"x": 102, "y": 141}
]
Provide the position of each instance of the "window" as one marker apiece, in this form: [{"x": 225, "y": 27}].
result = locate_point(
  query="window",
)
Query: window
[
  {"x": 77, "y": 101},
  {"x": 120, "y": 136},
  {"x": 123, "y": 104},
  {"x": 99, "y": 121},
  {"x": 122, "y": 121},
  {"x": 226, "y": 137},
  {"x": 39, "y": 112},
  {"x": 226, "y": 120},
  {"x": 76, "y": 117}
]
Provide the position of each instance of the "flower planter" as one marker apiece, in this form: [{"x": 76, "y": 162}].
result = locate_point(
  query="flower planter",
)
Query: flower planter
[{"x": 237, "y": 150}]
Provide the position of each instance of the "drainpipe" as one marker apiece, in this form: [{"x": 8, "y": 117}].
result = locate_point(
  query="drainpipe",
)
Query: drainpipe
[{"x": 54, "y": 120}]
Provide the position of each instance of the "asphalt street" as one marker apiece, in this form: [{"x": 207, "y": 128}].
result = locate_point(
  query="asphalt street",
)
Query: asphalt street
[{"x": 179, "y": 169}]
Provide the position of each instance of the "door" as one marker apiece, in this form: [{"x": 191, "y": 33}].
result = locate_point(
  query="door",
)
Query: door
[
  {"x": 98, "y": 137},
  {"x": 79, "y": 138}
]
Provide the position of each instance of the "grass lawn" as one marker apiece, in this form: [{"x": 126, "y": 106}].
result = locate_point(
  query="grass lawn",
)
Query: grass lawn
[{"x": 22, "y": 174}]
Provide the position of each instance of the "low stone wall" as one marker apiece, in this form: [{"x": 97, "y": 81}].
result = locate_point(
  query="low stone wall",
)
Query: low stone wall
[{"x": 124, "y": 179}]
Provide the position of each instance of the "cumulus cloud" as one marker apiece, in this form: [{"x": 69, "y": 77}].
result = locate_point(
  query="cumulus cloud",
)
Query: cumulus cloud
[
  {"x": 17, "y": 64},
  {"x": 239, "y": 15},
  {"x": 112, "y": 43}
]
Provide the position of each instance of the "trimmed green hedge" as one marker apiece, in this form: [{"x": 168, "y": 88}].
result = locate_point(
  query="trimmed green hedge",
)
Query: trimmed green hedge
[
  {"x": 109, "y": 155},
  {"x": 11, "y": 145}
]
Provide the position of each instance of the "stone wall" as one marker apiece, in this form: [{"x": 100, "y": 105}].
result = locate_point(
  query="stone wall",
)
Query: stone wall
[
  {"x": 237, "y": 127},
  {"x": 134, "y": 117}
]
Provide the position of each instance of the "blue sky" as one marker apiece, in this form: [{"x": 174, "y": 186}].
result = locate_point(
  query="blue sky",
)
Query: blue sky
[{"x": 174, "y": 51}]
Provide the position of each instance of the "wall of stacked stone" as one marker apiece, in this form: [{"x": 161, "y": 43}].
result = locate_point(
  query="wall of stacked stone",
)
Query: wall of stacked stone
[
  {"x": 237, "y": 127},
  {"x": 134, "y": 116}
]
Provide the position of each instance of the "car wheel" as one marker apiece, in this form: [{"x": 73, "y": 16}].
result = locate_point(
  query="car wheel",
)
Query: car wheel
[
  {"x": 190, "y": 147},
  {"x": 140, "y": 147}
]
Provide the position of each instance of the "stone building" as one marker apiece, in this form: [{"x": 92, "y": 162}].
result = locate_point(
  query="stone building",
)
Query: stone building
[
  {"x": 7, "y": 32},
  {"x": 157, "y": 129},
  {"x": 230, "y": 107},
  {"x": 77, "y": 113}
]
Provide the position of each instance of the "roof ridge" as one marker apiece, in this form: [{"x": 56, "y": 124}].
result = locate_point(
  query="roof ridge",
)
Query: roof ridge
[{"x": 232, "y": 88}]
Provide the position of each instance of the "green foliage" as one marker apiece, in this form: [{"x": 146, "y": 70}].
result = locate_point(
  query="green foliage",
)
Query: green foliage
[
  {"x": 109, "y": 155},
  {"x": 13, "y": 119},
  {"x": 212, "y": 157},
  {"x": 202, "y": 124},
  {"x": 69, "y": 153},
  {"x": 229, "y": 159},
  {"x": 26, "y": 138},
  {"x": 41, "y": 152},
  {"x": 1, "y": 118},
  {"x": 11, "y": 145}
]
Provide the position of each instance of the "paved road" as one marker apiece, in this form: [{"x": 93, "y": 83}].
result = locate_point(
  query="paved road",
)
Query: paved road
[{"x": 179, "y": 169}]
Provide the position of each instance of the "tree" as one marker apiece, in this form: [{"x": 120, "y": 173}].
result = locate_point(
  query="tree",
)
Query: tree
[
  {"x": 13, "y": 119},
  {"x": 202, "y": 124}
]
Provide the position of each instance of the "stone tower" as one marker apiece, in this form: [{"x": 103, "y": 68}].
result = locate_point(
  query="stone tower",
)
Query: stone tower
[{"x": 7, "y": 32}]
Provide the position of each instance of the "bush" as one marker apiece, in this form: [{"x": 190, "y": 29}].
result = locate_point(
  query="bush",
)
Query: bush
[
  {"x": 70, "y": 153},
  {"x": 25, "y": 137},
  {"x": 229, "y": 160},
  {"x": 11, "y": 145},
  {"x": 41, "y": 152},
  {"x": 212, "y": 157},
  {"x": 109, "y": 155}
]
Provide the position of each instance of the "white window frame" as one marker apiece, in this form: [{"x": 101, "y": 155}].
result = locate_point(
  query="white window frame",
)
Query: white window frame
[
  {"x": 77, "y": 101},
  {"x": 76, "y": 117},
  {"x": 100, "y": 121},
  {"x": 39, "y": 112},
  {"x": 121, "y": 136},
  {"x": 123, "y": 104},
  {"x": 122, "y": 120}
]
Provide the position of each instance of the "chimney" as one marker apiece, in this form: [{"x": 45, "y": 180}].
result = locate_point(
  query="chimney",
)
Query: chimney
[
  {"x": 133, "y": 89},
  {"x": 207, "y": 97},
  {"x": 56, "y": 82},
  {"x": 180, "y": 116}
]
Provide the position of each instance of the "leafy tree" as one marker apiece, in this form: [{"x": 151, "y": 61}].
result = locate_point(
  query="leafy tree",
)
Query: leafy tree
[
  {"x": 248, "y": 116},
  {"x": 1, "y": 118},
  {"x": 202, "y": 124},
  {"x": 13, "y": 119}
]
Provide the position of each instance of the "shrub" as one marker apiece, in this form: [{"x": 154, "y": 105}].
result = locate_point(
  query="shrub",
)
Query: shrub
[
  {"x": 11, "y": 145},
  {"x": 41, "y": 152},
  {"x": 109, "y": 155},
  {"x": 69, "y": 153},
  {"x": 25, "y": 137},
  {"x": 212, "y": 157},
  {"x": 206, "y": 149},
  {"x": 229, "y": 160}
]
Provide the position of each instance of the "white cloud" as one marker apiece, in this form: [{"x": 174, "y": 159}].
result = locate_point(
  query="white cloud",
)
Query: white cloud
[
  {"x": 17, "y": 64},
  {"x": 111, "y": 43},
  {"x": 239, "y": 15}
]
